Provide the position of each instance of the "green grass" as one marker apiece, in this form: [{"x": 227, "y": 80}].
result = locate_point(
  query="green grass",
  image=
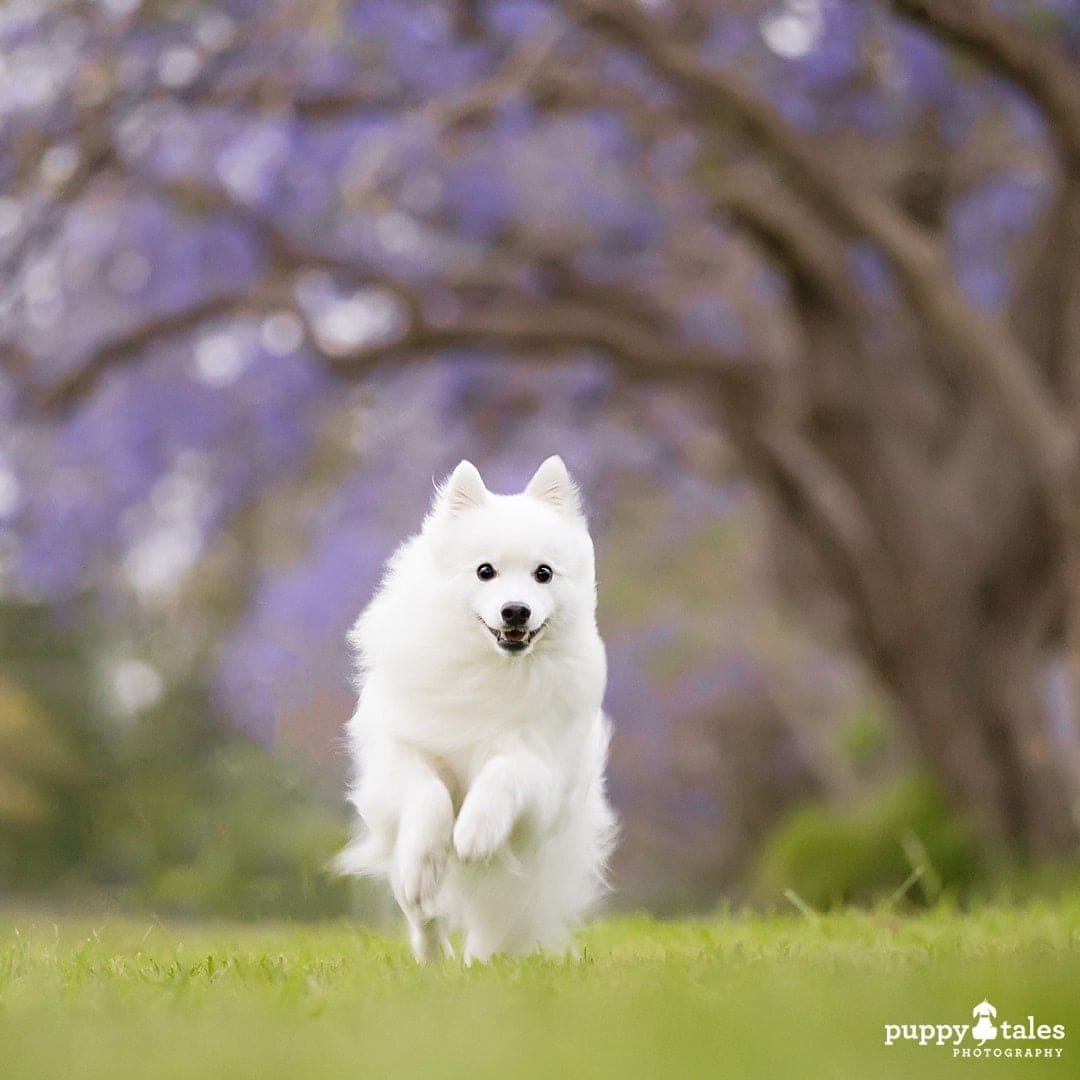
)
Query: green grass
[{"x": 737, "y": 996}]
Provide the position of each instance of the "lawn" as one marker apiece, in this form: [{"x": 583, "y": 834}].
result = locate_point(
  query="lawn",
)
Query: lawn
[{"x": 740, "y": 996}]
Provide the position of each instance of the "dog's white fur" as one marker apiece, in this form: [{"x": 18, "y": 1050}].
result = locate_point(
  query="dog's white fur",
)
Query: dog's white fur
[{"x": 480, "y": 771}]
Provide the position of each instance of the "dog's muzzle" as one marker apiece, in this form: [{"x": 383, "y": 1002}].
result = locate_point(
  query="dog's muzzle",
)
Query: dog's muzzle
[{"x": 514, "y": 639}]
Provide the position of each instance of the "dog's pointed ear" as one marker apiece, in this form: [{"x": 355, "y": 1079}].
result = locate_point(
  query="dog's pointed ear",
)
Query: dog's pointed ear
[
  {"x": 553, "y": 484},
  {"x": 463, "y": 490}
]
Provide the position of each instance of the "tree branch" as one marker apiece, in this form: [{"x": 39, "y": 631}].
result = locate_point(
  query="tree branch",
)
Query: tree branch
[
  {"x": 1011, "y": 51},
  {"x": 130, "y": 345},
  {"x": 559, "y": 325},
  {"x": 519, "y": 71},
  {"x": 815, "y": 494},
  {"x": 515, "y": 322},
  {"x": 782, "y": 226}
]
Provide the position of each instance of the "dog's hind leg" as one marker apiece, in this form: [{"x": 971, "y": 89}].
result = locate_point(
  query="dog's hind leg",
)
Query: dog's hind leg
[{"x": 428, "y": 939}]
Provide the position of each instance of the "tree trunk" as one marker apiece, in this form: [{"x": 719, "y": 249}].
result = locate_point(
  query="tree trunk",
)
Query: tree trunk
[
  {"x": 1070, "y": 756},
  {"x": 974, "y": 702}
]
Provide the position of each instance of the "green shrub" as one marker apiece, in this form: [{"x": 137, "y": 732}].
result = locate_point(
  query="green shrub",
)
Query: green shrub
[{"x": 829, "y": 856}]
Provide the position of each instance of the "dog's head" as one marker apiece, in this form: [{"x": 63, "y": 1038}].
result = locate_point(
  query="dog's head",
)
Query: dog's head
[{"x": 521, "y": 566}]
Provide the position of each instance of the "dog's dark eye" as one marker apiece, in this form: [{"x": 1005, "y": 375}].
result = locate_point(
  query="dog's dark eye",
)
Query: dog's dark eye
[
  {"x": 485, "y": 571},
  {"x": 543, "y": 573}
]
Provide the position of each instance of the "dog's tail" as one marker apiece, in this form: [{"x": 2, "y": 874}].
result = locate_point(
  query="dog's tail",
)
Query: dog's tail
[{"x": 363, "y": 857}]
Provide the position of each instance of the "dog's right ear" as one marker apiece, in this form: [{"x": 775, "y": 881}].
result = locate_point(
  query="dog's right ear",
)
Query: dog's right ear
[
  {"x": 553, "y": 484},
  {"x": 463, "y": 490}
]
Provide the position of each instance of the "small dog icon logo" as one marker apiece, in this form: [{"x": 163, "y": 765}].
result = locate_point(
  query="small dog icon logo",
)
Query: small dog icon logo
[{"x": 985, "y": 1028}]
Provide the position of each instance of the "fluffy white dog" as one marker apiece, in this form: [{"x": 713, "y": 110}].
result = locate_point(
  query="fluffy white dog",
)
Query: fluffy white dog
[{"x": 478, "y": 739}]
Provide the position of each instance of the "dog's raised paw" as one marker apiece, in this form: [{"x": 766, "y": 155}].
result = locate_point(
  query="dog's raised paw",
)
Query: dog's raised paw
[{"x": 481, "y": 829}]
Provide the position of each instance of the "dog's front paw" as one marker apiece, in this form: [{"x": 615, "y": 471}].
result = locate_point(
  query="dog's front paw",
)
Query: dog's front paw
[
  {"x": 483, "y": 826},
  {"x": 420, "y": 874}
]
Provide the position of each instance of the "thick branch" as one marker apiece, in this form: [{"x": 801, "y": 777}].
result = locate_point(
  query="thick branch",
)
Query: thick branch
[
  {"x": 815, "y": 494},
  {"x": 558, "y": 325},
  {"x": 517, "y": 323},
  {"x": 130, "y": 345},
  {"x": 786, "y": 230},
  {"x": 1010, "y": 51}
]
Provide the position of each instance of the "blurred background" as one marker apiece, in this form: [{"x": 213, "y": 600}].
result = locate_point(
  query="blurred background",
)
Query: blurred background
[{"x": 792, "y": 285}]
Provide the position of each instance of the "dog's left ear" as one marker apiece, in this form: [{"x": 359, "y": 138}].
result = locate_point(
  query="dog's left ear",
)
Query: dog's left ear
[{"x": 553, "y": 484}]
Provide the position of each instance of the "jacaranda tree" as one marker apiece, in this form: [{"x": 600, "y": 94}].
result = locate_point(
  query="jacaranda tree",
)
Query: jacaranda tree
[{"x": 847, "y": 230}]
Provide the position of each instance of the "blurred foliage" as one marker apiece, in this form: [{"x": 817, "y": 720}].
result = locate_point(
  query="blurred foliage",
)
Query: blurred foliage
[
  {"x": 168, "y": 809},
  {"x": 51, "y": 756},
  {"x": 833, "y": 855},
  {"x": 867, "y": 737},
  {"x": 30, "y": 754},
  {"x": 208, "y": 823}
]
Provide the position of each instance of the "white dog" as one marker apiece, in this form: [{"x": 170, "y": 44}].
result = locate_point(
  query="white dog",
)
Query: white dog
[{"x": 478, "y": 737}]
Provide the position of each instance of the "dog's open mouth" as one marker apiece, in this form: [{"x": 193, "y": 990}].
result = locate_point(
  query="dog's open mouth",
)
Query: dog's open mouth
[{"x": 514, "y": 639}]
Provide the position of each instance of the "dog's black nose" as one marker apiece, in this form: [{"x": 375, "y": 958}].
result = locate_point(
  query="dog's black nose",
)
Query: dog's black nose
[{"x": 516, "y": 614}]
